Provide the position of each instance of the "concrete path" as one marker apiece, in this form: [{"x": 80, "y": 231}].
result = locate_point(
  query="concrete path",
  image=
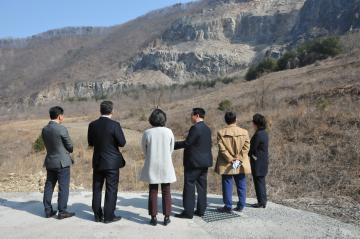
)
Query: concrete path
[{"x": 21, "y": 216}]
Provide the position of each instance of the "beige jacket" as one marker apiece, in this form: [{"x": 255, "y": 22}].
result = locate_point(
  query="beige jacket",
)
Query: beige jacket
[{"x": 234, "y": 143}]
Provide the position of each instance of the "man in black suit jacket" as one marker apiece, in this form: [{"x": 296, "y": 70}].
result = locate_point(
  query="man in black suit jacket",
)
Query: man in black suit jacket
[
  {"x": 197, "y": 159},
  {"x": 106, "y": 136}
]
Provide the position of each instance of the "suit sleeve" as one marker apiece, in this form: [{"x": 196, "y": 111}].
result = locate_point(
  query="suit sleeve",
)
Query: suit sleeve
[
  {"x": 90, "y": 136},
  {"x": 190, "y": 139},
  {"x": 255, "y": 142},
  {"x": 66, "y": 140},
  {"x": 223, "y": 150},
  {"x": 119, "y": 136}
]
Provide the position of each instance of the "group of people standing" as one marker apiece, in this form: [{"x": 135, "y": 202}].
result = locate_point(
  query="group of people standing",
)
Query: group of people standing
[{"x": 237, "y": 156}]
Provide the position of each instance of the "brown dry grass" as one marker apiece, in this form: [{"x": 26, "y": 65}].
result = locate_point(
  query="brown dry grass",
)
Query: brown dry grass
[{"x": 315, "y": 130}]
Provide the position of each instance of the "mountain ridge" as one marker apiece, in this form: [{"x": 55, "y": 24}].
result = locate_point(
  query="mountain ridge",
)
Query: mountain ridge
[{"x": 185, "y": 42}]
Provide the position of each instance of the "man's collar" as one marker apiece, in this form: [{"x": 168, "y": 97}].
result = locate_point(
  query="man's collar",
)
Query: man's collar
[
  {"x": 106, "y": 116},
  {"x": 53, "y": 121},
  {"x": 231, "y": 125}
]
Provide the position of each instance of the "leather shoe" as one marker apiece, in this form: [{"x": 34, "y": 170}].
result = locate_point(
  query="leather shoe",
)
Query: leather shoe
[
  {"x": 99, "y": 218},
  {"x": 224, "y": 209},
  {"x": 183, "y": 215},
  {"x": 166, "y": 220},
  {"x": 63, "y": 215},
  {"x": 197, "y": 213},
  {"x": 153, "y": 221},
  {"x": 115, "y": 219},
  {"x": 258, "y": 205},
  {"x": 238, "y": 209},
  {"x": 51, "y": 214}
]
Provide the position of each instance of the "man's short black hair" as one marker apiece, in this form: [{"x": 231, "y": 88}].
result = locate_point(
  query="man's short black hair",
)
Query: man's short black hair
[
  {"x": 55, "y": 111},
  {"x": 230, "y": 117},
  {"x": 260, "y": 121},
  {"x": 106, "y": 107},
  {"x": 199, "y": 111},
  {"x": 157, "y": 118}
]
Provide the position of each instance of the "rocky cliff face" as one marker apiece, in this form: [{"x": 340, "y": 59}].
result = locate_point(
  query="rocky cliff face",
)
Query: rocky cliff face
[
  {"x": 324, "y": 17},
  {"x": 208, "y": 39}
]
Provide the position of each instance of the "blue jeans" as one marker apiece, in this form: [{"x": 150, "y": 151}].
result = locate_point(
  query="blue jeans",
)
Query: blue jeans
[
  {"x": 62, "y": 177},
  {"x": 227, "y": 186}
]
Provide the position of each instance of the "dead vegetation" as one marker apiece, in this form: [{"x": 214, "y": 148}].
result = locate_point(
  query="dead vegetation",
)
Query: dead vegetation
[{"x": 315, "y": 130}]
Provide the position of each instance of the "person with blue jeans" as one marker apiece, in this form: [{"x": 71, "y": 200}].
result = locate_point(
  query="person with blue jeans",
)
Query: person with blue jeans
[{"x": 233, "y": 162}]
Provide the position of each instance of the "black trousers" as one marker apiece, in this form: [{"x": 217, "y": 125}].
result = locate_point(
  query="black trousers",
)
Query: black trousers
[
  {"x": 111, "y": 189},
  {"x": 260, "y": 189},
  {"x": 195, "y": 178},
  {"x": 62, "y": 176}
]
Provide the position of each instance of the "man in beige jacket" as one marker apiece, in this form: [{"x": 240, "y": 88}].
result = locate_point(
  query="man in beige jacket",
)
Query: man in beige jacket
[{"x": 233, "y": 161}]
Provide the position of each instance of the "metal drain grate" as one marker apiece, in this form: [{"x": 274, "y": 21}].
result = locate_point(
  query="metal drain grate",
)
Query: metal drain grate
[{"x": 212, "y": 215}]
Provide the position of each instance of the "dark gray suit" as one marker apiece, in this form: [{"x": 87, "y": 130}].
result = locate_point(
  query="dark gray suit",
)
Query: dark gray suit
[
  {"x": 58, "y": 146},
  {"x": 57, "y": 162}
]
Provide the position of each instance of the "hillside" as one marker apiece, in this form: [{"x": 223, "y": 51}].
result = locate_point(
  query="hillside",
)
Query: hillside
[
  {"x": 314, "y": 113},
  {"x": 202, "y": 40}
]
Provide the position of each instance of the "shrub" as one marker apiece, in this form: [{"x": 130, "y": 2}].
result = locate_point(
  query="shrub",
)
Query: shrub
[
  {"x": 225, "y": 105},
  {"x": 251, "y": 74},
  {"x": 318, "y": 49},
  {"x": 306, "y": 54},
  {"x": 287, "y": 61},
  {"x": 266, "y": 66},
  {"x": 38, "y": 145}
]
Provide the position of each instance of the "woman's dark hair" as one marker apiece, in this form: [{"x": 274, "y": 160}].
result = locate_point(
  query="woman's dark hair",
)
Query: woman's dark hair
[
  {"x": 157, "y": 118},
  {"x": 55, "y": 111},
  {"x": 230, "y": 117},
  {"x": 106, "y": 107},
  {"x": 199, "y": 111},
  {"x": 260, "y": 121}
]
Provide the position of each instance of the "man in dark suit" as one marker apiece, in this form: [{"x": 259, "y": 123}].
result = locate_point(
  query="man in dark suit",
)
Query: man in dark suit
[
  {"x": 197, "y": 160},
  {"x": 57, "y": 162},
  {"x": 106, "y": 136}
]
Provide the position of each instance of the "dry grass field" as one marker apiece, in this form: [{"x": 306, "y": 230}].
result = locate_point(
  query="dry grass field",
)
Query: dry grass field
[{"x": 314, "y": 114}]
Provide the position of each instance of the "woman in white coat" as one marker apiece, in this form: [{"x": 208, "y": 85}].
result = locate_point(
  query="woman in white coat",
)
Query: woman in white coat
[{"x": 158, "y": 145}]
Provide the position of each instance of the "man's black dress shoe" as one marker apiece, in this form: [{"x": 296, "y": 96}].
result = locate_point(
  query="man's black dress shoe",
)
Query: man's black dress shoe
[
  {"x": 258, "y": 205},
  {"x": 153, "y": 221},
  {"x": 166, "y": 220},
  {"x": 238, "y": 209},
  {"x": 51, "y": 214},
  {"x": 224, "y": 209},
  {"x": 115, "y": 219},
  {"x": 99, "y": 218},
  {"x": 197, "y": 213},
  {"x": 63, "y": 215},
  {"x": 183, "y": 215}
]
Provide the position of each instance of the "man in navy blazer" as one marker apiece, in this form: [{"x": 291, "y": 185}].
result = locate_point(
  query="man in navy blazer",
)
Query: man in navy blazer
[
  {"x": 197, "y": 159},
  {"x": 106, "y": 136}
]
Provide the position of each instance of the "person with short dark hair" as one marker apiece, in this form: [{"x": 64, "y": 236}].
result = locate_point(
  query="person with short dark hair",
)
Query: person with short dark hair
[
  {"x": 106, "y": 107},
  {"x": 233, "y": 162},
  {"x": 106, "y": 136},
  {"x": 259, "y": 159},
  {"x": 157, "y": 145},
  {"x": 197, "y": 159},
  {"x": 57, "y": 162}
]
